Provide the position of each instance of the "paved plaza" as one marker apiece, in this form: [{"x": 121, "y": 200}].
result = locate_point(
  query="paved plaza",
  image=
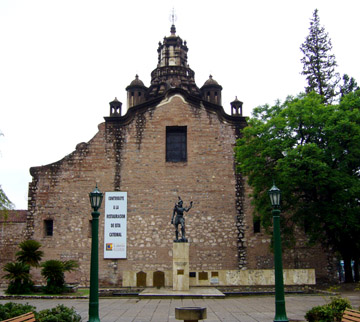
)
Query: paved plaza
[{"x": 230, "y": 309}]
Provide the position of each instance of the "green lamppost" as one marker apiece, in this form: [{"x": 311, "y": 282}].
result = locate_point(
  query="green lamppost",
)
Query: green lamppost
[
  {"x": 280, "y": 311},
  {"x": 95, "y": 199}
]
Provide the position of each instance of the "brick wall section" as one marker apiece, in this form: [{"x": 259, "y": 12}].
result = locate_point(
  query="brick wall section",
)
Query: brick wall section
[
  {"x": 131, "y": 158},
  {"x": 129, "y": 155},
  {"x": 12, "y": 232}
]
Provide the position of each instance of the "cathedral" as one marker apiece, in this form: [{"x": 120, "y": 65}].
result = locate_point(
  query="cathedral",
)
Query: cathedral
[{"x": 175, "y": 140}]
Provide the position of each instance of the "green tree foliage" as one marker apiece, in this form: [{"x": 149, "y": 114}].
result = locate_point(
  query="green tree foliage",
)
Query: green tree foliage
[
  {"x": 5, "y": 203},
  {"x": 312, "y": 152},
  {"x": 318, "y": 62},
  {"x": 29, "y": 253},
  {"x": 19, "y": 272},
  {"x": 10, "y": 310},
  {"x": 349, "y": 85},
  {"x": 19, "y": 277},
  {"x": 54, "y": 273},
  {"x": 330, "y": 312},
  {"x": 59, "y": 313}
]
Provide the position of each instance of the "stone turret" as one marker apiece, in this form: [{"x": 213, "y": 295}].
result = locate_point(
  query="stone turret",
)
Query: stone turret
[
  {"x": 211, "y": 91},
  {"x": 136, "y": 92},
  {"x": 236, "y": 107},
  {"x": 172, "y": 69},
  {"x": 115, "y": 108}
]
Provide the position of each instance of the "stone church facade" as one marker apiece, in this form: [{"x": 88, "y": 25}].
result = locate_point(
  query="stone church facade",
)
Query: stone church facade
[{"x": 174, "y": 140}]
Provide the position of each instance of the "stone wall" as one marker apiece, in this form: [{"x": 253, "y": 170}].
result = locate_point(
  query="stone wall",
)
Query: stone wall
[
  {"x": 131, "y": 157},
  {"x": 128, "y": 154},
  {"x": 250, "y": 277},
  {"x": 12, "y": 232}
]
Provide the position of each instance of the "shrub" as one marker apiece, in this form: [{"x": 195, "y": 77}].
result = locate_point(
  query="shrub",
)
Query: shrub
[
  {"x": 338, "y": 306},
  {"x": 20, "y": 288},
  {"x": 29, "y": 253},
  {"x": 330, "y": 312},
  {"x": 19, "y": 277},
  {"x": 10, "y": 310},
  {"x": 60, "y": 313},
  {"x": 322, "y": 313},
  {"x": 53, "y": 270}
]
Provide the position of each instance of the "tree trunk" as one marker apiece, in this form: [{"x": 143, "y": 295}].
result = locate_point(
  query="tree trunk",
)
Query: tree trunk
[
  {"x": 356, "y": 269},
  {"x": 348, "y": 269}
]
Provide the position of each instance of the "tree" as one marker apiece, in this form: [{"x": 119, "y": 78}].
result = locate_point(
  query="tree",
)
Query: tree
[
  {"x": 29, "y": 253},
  {"x": 312, "y": 152},
  {"x": 54, "y": 272},
  {"x": 318, "y": 62},
  {"x": 5, "y": 203},
  {"x": 349, "y": 85},
  {"x": 19, "y": 277}
]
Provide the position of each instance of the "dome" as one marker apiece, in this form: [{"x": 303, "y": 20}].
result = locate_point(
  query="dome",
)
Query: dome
[
  {"x": 137, "y": 82},
  {"x": 211, "y": 82}
]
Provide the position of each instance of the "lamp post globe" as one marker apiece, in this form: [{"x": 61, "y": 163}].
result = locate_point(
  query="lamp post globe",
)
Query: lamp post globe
[
  {"x": 280, "y": 310},
  {"x": 96, "y": 198},
  {"x": 275, "y": 196}
]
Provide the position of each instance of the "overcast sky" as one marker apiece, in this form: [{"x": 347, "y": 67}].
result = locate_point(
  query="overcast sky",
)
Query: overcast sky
[{"x": 62, "y": 62}]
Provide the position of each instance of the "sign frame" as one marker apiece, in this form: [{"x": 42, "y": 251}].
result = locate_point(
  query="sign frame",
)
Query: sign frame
[{"x": 115, "y": 225}]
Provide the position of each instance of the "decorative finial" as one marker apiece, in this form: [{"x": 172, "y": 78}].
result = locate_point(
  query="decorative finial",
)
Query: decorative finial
[
  {"x": 173, "y": 16},
  {"x": 172, "y": 19}
]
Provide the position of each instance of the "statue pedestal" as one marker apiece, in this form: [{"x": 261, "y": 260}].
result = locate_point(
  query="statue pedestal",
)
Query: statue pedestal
[{"x": 180, "y": 266}]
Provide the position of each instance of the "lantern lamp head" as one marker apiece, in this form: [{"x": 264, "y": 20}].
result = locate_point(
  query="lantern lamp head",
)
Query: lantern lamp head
[
  {"x": 95, "y": 199},
  {"x": 275, "y": 196}
]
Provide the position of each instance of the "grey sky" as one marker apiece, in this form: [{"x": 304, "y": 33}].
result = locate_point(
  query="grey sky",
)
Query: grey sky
[{"x": 62, "y": 62}]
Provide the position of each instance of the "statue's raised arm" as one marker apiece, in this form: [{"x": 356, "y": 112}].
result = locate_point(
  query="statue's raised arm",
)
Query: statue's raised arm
[{"x": 188, "y": 208}]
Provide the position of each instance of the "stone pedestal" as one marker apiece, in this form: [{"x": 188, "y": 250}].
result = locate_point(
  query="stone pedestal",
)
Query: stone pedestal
[{"x": 180, "y": 266}]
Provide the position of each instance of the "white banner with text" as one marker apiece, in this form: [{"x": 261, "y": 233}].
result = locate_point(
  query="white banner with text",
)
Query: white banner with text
[{"x": 115, "y": 224}]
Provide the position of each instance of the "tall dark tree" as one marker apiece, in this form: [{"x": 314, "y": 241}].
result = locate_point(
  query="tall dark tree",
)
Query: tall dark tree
[
  {"x": 312, "y": 152},
  {"x": 318, "y": 62},
  {"x": 349, "y": 85}
]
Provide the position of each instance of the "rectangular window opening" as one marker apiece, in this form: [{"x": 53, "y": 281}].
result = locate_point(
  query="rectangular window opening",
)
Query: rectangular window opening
[
  {"x": 176, "y": 144},
  {"x": 257, "y": 225},
  {"x": 48, "y": 227}
]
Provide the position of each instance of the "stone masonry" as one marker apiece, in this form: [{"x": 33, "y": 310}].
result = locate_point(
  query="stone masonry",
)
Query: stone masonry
[{"x": 128, "y": 153}]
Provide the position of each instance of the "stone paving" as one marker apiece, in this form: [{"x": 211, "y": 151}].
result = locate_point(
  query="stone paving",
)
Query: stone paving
[{"x": 231, "y": 309}]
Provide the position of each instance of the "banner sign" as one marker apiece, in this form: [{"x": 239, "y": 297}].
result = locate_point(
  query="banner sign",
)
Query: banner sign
[{"x": 115, "y": 224}]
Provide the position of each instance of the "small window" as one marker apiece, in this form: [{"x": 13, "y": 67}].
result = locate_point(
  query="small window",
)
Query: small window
[
  {"x": 176, "y": 150},
  {"x": 192, "y": 274},
  {"x": 257, "y": 225},
  {"x": 139, "y": 94},
  {"x": 48, "y": 227}
]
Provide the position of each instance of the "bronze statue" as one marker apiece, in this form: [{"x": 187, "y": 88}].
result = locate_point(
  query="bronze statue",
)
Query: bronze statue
[{"x": 178, "y": 213}]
